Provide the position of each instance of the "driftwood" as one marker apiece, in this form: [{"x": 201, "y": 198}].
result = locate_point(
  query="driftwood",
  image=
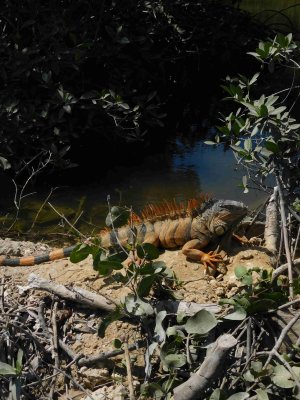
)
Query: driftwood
[
  {"x": 271, "y": 233},
  {"x": 210, "y": 369},
  {"x": 278, "y": 271},
  {"x": 97, "y": 301},
  {"x": 73, "y": 293}
]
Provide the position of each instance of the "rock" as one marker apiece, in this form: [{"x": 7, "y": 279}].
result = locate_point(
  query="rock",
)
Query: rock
[
  {"x": 15, "y": 248},
  {"x": 251, "y": 258},
  {"x": 93, "y": 376}
]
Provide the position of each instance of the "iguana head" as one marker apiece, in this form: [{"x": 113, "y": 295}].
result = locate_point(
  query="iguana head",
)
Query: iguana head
[{"x": 225, "y": 215}]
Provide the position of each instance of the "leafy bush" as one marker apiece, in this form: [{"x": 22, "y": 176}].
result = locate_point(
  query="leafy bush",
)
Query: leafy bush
[{"x": 91, "y": 72}]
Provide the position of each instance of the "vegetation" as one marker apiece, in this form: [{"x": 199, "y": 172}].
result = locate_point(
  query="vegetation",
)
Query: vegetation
[
  {"x": 264, "y": 137},
  {"x": 77, "y": 77}
]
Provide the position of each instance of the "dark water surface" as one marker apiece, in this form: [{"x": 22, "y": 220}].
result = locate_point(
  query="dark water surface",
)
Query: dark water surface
[{"x": 180, "y": 174}]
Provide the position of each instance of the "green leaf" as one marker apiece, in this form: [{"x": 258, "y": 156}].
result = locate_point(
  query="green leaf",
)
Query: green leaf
[
  {"x": 261, "y": 306},
  {"x": 209, "y": 142},
  {"x": 247, "y": 280},
  {"x": 271, "y": 146},
  {"x": 172, "y": 361},
  {"x": 136, "y": 306},
  {"x": 262, "y": 394},
  {"x": 105, "y": 265},
  {"x": 248, "y": 145},
  {"x": 111, "y": 317},
  {"x": 117, "y": 343},
  {"x": 7, "y": 370},
  {"x": 254, "y": 78},
  {"x": 118, "y": 216},
  {"x": 145, "y": 285},
  {"x": 278, "y": 110},
  {"x": 248, "y": 376},
  {"x": 216, "y": 394},
  {"x": 240, "y": 271},
  {"x": 81, "y": 252},
  {"x": 4, "y": 164},
  {"x": 148, "y": 251},
  {"x": 201, "y": 323},
  {"x": 282, "y": 378},
  {"x": 238, "y": 314},
  {"x": 239, "y": 396}
]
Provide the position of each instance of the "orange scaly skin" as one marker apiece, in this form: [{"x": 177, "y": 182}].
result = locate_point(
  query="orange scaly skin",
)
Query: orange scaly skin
[{"x": 169, "y": 226}]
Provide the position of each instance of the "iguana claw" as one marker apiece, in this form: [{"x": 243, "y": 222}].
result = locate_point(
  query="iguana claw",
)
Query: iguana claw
[{"x": 208, "y": 260}]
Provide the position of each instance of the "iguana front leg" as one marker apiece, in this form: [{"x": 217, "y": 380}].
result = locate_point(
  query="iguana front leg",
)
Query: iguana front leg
[{"x": 192, "y": 250}]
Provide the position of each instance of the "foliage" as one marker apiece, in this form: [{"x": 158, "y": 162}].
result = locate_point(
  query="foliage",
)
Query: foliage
[
  {"x": 262, "y": 132},
  {"x": 94, "y": 72},
  {"x": 258, "y": 293}
]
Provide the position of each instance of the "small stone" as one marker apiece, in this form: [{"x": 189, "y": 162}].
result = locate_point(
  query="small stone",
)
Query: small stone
[{"x": 220, "y": 291}]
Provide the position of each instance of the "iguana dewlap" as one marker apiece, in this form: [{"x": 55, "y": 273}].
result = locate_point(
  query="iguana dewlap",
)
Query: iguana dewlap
[{"x": 169, "y": 227}]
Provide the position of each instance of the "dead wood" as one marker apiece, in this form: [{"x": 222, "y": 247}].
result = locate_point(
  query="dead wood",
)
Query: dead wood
[
  {"x": 278, "y": 271},
  {"x": 73, "y": 293},
  {"x": 271, "y": 233},
  {"x": 210, "y": 369}
]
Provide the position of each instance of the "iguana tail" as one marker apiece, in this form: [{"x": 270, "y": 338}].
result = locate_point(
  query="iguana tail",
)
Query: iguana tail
[{"x": 33, "y": 260}]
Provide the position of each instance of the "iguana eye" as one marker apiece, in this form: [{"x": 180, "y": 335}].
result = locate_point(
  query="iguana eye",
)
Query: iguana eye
[{"x": 220, "y": 230}]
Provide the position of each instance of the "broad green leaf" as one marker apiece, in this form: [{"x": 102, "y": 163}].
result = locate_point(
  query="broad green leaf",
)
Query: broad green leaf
[
  {"x": 81, "y": 252},
  {"x": 172, "y": 361},
  {"x": 262, "y": 394},
  {"x": 216, "y": 394},
  {"x": 118, "y": 216},
  {"x": 239, "y": 396},
  {"x": 254, "y": 78},
  {"x": 201, "y": 323},
  {"x": 148, "y": 251},
  {"x": 111, "y": 317},
  {"x": 136, "y": 306},
  {"x": 209, "y": 142},
  {"x": 7, "y": 370},
  {"x": 256, "y": 366},
  {"x": 240, "y": 271},
  {"x": 105, "y": 265},
  {"x": 263, "y": 111},
  {"x": 238, "y": 314},
  {"x": 248, "y": 376},
  {"x": 145, "y": 285},
  {"x": 282, "y": 378},
  {"x": 278, "y": 110},
  {"x": 260, "y": 306},
  {"x": 247, "y": 280},
  {"x": 248, "y": 145},
  {"x": 117, "y": 343},
  {"x": 272, "y": 146}
]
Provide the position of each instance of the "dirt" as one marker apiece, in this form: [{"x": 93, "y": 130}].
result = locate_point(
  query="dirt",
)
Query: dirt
[{"x": 109, "y": 377}]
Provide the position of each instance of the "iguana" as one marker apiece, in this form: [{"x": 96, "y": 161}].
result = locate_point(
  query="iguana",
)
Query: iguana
[{"x": 168, "y": 225}]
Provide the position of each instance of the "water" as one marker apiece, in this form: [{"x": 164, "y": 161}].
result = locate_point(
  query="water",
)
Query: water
[
  {"x": 279, "y": 14},
  {"x": 178, "y": 174}
]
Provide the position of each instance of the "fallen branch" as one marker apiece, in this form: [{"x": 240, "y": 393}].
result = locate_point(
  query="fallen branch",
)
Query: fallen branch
[
  {"x": 94, "y": 300},
  {"x": 79, "y": 295},
  {"x": 210, "y": 368},
  {"x": 278, "y": 271}
]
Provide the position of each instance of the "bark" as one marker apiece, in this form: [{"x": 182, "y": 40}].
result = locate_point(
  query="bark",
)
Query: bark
[
  {"x": 73, "y": 293},
  {"x": 97, "y": 301},
  {"x": 210, "y": 369},
  {"x": 272, "y": 227}
]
